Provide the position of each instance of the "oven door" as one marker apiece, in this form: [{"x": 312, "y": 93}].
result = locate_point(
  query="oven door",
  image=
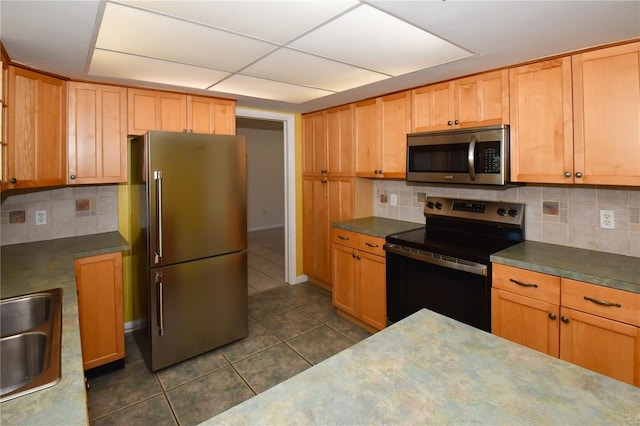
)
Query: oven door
[{"x": 452, "y": 287}]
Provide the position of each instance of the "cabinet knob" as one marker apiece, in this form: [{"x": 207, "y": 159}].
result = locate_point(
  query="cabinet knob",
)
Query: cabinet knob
[
  {"x": 358, "y": 257},
  {"x": 567, "y": 174},
  {"x": 72, "y": 177},
  {"x": 456, "y": 122},
  {"x": 353, "y": 255},
  {"x": 552, "y": 315},
  {"x": 578, "y": 174},
  {"x": 449, "y": 123},
  {"x": 13, "y": 180},
  {"x": 190, "y": 130},
  {"x": 184, "y": 130},
  {"x": 564, "y": 319}
]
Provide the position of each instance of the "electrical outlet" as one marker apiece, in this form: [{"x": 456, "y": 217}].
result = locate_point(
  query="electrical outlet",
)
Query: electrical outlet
[
  {"x": 393, "y": 199},
  {"x": 41, "y": 217},
  {"x": 607, "y": 219}
]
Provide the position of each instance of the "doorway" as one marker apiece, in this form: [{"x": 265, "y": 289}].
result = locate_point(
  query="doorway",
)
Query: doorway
[{"x": 287, "y": 123}]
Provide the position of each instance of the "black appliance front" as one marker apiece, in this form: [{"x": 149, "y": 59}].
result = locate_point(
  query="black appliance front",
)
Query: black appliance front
[{"x": 413, "y": 284}]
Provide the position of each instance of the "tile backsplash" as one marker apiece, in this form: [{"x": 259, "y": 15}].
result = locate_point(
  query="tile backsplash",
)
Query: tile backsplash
[
  {"x": 557, "y": 214},
  {"x": 69, "y": 212}
]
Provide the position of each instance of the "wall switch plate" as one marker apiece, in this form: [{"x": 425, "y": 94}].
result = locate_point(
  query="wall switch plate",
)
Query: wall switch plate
[
  {"x": 607, "y": 219},
  {"x": 393, "y": 199},
  {"x": 41, "y": 217}
]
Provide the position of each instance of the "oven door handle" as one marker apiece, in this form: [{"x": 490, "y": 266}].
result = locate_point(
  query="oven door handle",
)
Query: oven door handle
[{"x": 438, "y": 259}]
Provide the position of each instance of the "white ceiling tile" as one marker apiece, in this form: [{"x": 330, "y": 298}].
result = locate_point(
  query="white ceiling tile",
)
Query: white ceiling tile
[
  {"x": 275, "y": 21},
  {"x": 121, "y": 65},
  {"x": 372, "y": 39},
  {"x": 130, "y": 30},
  {"x": 301, "y": 68},
  {"x": 266, "y": 89}
]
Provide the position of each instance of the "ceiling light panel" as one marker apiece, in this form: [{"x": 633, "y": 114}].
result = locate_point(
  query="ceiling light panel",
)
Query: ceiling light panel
[
  {"x": 130, "y": 30},
  {"x": 122, "y": 65},
  {"x": 275, "y": 21},
  {"x": 372, "y": 39},
  {"x": 266, "y": 89},
  {"x": 308, "y": 70}
]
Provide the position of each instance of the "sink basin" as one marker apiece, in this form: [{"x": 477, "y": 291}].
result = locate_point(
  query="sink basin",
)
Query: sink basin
[{"x": 30, "y": 343}]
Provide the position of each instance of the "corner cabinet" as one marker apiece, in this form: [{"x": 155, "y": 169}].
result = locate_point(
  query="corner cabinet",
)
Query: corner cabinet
[
  {"x": 477, "y": 100},
  {"x": 359, "y": 277},
  {"x": 566, "y": 114},
  {"x": 97, "y": 134},
  {"x": 100, "y": 308},
  {"x": 380, "y": 130},
  {"x": 36, "y": 130},
  {"x": 177, "y": 112},
  {"x": 595, "y": 327}
]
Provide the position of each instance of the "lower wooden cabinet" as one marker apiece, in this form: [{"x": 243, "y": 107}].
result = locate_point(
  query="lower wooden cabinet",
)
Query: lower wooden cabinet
[
  {"x": 100, "y": 308},
  {"x": 359, "y": 277},
  {"x": 589, "y": 325}
]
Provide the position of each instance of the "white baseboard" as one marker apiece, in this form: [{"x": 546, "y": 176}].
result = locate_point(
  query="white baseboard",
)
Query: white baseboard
[
  {"x": 299, "y": 279},
  {"x": 262, "y": 228},
  {"x": 133, "y": 325}
]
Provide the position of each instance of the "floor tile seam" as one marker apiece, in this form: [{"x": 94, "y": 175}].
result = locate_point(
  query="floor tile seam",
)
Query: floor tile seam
[
  {"x": 339, "y": 332},
  {"x": 277, "y": 313},
  {"x": 266, "y": 260},
  {"x": 246, "y": 382},
  {"x": 126, "y": 406},
  {"x": 259, "y": 351},
  {"x": 265, "y": 275},
  {"x": 208, "y": 373},
  {"x": 299, "y": 334},
  {"x": 174, "y": 412},
  {"x": 298, "y": 353}
]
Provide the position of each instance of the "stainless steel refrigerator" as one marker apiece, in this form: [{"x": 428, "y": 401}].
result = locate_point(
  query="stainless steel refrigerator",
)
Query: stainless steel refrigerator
[{"x": 189, "y": 220}]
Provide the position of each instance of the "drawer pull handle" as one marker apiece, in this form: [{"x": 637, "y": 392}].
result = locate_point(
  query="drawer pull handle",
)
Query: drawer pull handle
[
  {"x": 602, "y": 302},
  {"x": 371, "y": 245},
  {"x": 523, "y": 284},
  {"x": 343, "y": 238}
]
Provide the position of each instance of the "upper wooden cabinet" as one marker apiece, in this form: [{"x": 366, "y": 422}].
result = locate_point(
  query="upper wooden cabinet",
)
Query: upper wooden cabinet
[
  {"x": 176, "y": 112},
  {"x": 606, "y": 107},
  {"x": 97, "y": 133},
  {"x": 36, "y": 130},
  {"x": 541, "y": 122},
  {"x": 575, "y": 119},
  {"x": 314, "y": 145},
  {"x": 478, "y": 100},
  {"x": 340, "y": 146},
  {"x": 381, "y": 126}
]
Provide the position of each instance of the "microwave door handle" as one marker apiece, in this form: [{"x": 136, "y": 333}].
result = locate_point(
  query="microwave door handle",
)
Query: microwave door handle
[{"x": 471, "y": 157}]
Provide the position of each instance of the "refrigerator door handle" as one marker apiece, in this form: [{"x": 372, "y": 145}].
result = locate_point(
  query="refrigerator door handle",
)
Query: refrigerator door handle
[
  {"x": 159, "y": 283},
  {"x": 157, "y": 175}
]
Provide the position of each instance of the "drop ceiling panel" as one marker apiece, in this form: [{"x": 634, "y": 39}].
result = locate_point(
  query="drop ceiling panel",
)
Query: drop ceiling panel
[
  {"x": 130, "y": 30},
  {"x": 276, "y": 21},
  {"x": 301, "y": 68},
  {"x": 372, "y": 39},
  {"x": 115, "y": 64},
  {"x": 260, "y": 88}
]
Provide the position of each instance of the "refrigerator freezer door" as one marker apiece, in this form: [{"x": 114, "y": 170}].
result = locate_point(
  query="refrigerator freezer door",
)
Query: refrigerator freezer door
[
  {"x": 195, "y": 307},
  {"x": 197, "y": 196}
]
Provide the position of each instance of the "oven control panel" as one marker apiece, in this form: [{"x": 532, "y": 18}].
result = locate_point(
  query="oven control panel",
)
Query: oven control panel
[{"x": 492, "y": 211}]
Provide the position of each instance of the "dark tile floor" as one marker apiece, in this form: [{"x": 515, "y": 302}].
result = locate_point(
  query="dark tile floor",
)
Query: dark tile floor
[{"x": 290, "y": 329}]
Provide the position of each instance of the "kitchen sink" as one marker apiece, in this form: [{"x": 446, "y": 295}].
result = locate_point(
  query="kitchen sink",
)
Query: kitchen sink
[{"x": 30, "y": 342}]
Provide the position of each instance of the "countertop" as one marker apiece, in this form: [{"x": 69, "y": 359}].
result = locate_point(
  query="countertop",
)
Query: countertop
[
  {"x": 609, "y": 270},
  {"x": 377, "y": 226},
  {"x": 430, "y": 369},
  {"x": 32, "y": 267}
]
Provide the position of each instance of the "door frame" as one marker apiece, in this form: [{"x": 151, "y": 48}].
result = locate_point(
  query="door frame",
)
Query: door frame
[{"x": 288, "y": 122}]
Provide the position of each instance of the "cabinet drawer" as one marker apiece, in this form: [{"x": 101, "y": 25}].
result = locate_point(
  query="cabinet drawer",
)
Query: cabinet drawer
[
  {"x": 370, "y": 244},
  {"x": 527, "y": 283},
  {"x": 575, "y": 294},
  {"x": 345, "y": 238}
]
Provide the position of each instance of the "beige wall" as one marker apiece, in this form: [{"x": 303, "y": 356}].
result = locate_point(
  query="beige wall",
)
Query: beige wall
[{"x": 557, "y": 214}]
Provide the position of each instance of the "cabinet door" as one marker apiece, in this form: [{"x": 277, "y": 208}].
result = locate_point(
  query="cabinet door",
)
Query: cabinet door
[
  {"x": 340, "y": 142},
  {"x": 529, "y": 322},
  {"x": 541, "y": 122},
  {"x": 606, "y": 106},
  {"x": 432, "y": 107},
  {"x": 314, "y": 145},
  {"x": 37, "y": 130},
  {"x": 100, "y": 308},
  {"x": 210, "y": 115},
  {"x": 344, "y": 278},
  {"x": 97, "y": 134},
  {"x": 366, "y": 136},
  {"x": 155, "y": 110},
  {"x": 395, "y": 123},
  {"x": 482, "y": 100},
  {"x": 372, "y": 290},
  {"x": 608, "y": 347},
  {"x": 315, "y": 229}
]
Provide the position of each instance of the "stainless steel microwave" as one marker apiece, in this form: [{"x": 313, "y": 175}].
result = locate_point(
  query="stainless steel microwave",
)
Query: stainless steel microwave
[{"x": 476, "y": 156}]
